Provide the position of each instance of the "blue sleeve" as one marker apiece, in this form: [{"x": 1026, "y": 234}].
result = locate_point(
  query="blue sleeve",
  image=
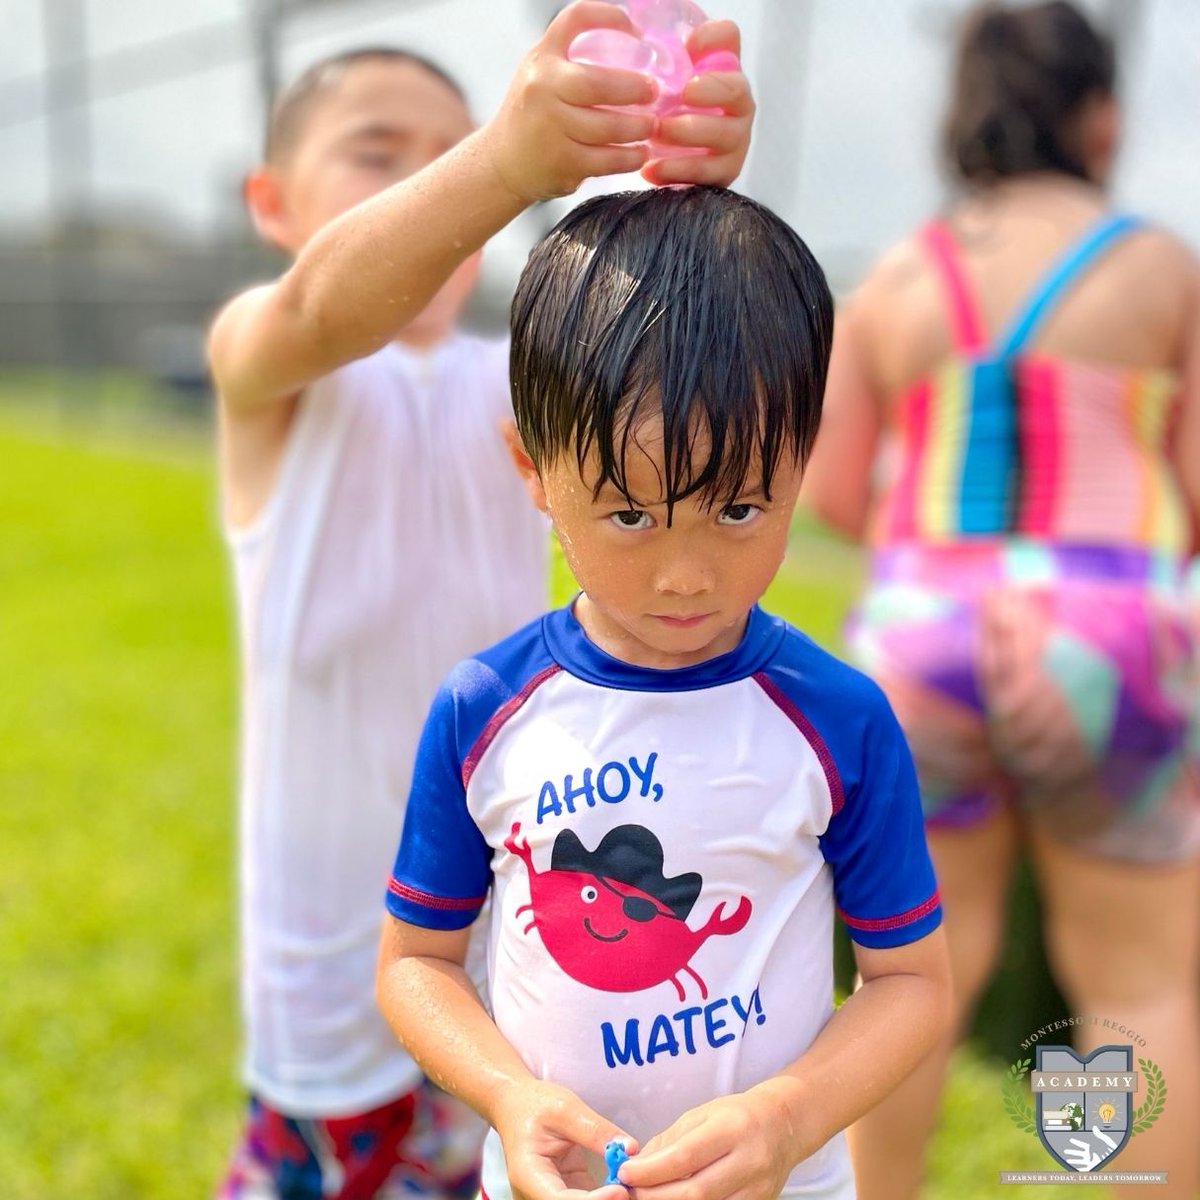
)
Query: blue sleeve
[
  {"x": 883, "y": 879},
  {"x": 443, "y": 867}
]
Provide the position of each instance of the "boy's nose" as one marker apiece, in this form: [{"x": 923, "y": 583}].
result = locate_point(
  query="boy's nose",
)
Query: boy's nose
[{"x": 684, "y": 577}]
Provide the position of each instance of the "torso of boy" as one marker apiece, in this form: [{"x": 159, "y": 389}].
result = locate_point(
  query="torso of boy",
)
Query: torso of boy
[
  {"x": 1009, "y": 237},
  {"x": 396, "y": 538},
  {"x": 665, "y": 848}
]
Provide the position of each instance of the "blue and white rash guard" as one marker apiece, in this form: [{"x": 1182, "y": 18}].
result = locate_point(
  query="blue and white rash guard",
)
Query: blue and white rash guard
[{"x": 665, "y": 850}]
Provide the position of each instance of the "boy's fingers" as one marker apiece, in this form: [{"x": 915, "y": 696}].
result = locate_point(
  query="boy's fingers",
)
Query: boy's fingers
[
  {"x": 714, "y": 36},
  {"x": 615, "y": 160},
  {"x": 574, "y": 1122},
  {"x": 724, "y": 1179},
  {"x": 597, "y": 127},
  {"x": 719, "y": 135},
  {"x": 727, "y": 90},
  {"x": 703, "y": 169},
  {"x": 677, "y": 1159},
  {"x": 540, "y": 1181},
  {"x": 586, "y": 85},
  {"x": 583, "y": 15}
]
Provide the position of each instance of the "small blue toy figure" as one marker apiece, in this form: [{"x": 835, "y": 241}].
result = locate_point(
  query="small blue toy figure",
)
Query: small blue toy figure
[{"x": 614, "y": 1156}]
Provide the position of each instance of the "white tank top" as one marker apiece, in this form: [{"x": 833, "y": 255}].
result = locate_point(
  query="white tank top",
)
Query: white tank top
[{"x": 398, "y": 540}]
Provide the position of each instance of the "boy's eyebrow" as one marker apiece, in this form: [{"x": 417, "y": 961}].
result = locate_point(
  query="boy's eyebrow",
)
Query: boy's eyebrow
[
  {"x": 377, "y": 131},
  {"x": 609, "y": 493}
]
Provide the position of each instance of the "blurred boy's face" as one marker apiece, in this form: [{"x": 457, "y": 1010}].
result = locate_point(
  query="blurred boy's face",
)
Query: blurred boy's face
[
  {"x": 378, "y": 123},
  {"x": 658, "y": 596}
]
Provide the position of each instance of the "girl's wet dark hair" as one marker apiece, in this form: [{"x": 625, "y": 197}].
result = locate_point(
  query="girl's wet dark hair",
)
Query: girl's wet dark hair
[
  {"x": 1021, "y": 79},
  {"x": 695, "y": 303}
]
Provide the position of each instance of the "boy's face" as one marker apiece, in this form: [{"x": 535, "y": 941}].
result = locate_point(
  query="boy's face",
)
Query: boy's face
[
  {"x": 658, "y": 596},
  {"x": 381, "y": 121},
  {"x": 378, "y": 123}
]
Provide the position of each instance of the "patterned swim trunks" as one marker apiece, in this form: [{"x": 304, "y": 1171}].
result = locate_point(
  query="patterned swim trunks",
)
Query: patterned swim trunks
[
  {"x": 1059, "y": 678},
  {"x": 423, "y": 1144}
]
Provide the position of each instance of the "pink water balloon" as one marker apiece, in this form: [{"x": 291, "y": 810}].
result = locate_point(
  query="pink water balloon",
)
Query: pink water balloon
[{"x": 660, "y": 52}]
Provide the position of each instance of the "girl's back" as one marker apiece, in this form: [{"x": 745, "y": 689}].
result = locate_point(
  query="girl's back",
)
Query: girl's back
[
  {"x": 950, "y": 415},
  {"x": 1025, "y": 357},
  {"x": 1129, "y": 309}
]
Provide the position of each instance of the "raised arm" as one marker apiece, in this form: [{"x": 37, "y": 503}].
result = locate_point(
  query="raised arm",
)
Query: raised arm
[{"x": 369, "y": 272}]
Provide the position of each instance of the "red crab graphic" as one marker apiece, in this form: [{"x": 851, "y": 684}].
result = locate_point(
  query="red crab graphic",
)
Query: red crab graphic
[{"x": 610, "y": 918}]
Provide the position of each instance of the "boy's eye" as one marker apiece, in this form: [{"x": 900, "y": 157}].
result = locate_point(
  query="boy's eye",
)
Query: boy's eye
[
  {"x": 738, "y": 514},
  {"x": 632, "y": 518},
  {"x": 374, "y": 162}
]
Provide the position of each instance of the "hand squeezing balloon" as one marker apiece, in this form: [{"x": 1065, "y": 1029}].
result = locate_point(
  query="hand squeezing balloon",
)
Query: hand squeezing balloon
[{"x": 660, "y": 51}]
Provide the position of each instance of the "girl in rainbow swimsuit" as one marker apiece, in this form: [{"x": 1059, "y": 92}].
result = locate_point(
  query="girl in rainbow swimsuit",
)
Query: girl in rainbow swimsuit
[{"x": 1013, "y": 425}]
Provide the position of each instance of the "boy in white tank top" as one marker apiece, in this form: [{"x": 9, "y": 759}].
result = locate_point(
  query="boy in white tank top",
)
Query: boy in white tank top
[{"x": 378, "y": 535}]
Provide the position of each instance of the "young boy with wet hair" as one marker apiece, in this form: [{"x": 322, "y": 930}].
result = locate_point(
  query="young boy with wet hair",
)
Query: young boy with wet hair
[
  {"x": 666, "y": 792},
  {"x": 378, "y": 534}
]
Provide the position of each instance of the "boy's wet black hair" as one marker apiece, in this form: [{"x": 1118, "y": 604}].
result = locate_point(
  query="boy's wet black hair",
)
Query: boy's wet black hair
[
  {"x": 293, "y": 105},
  {"x": 694, "y": 302}
]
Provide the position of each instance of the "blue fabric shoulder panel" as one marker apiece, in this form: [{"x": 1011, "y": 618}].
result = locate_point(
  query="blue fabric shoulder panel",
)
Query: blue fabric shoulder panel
[
  {"x": 442, "y": 869},
  {"x": 482, "y": 684},
  {"x": 883, "y": 879}
]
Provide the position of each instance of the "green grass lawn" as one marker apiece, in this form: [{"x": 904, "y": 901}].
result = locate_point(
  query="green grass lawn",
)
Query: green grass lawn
[
  {"x": 117, "y": 1023},
  {"x": 118, "y": 1037}
]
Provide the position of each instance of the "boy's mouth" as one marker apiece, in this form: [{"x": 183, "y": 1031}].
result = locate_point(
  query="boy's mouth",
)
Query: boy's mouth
[{"x": 683, "y": 622}]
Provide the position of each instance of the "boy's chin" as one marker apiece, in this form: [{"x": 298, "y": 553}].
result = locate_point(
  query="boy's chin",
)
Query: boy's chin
[
  {"x": 686, "y": 645},
  {"x": 427, "y": 330}
]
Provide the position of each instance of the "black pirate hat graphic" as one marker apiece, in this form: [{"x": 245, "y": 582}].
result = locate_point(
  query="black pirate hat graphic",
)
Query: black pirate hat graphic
[{"x": 632, "y": 855}]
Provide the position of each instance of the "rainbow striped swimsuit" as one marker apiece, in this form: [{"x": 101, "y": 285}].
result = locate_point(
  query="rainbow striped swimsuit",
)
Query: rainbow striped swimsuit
[{"x": 1026, "y": 609}]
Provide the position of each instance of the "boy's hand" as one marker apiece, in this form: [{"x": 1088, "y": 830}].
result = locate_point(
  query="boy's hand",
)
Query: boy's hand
[
  {"x": 555, "y": 127},
  {"x": 743, "y": 1145},
  {"x": 545, "y": 1130},
  {"x": 725, "y": 134}
]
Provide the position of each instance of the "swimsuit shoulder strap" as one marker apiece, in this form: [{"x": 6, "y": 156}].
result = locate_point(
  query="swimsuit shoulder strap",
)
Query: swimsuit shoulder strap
[
  {"x": 939, "y": 244},
  {"x": 1055, "y": 283}
]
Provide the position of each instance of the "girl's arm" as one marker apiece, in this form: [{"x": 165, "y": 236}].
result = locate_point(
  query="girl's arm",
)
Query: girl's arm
[
  {"x": 430, "y": 1003},
  {"x": 747, "y": 1144},
  {"x": 1187, "y": 433},
  {"x": 837, "y": 480}
]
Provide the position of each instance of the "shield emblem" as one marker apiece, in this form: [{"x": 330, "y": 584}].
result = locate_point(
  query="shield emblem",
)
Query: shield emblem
[{"x": 1088, "y": 1121}]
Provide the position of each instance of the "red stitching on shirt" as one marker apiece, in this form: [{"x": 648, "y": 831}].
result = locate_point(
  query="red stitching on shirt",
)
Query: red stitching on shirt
[
  {"x": 882, "y": 924},
  {"x": 499, "y": 717},
  {"x": 814, "y": 739},
  {"x": 429, "y": 900}
]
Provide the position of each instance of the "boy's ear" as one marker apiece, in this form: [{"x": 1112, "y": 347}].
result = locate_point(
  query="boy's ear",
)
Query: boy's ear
[
  {"x": 262, "y": 192},
  {"x": 524, "y": 464}
]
